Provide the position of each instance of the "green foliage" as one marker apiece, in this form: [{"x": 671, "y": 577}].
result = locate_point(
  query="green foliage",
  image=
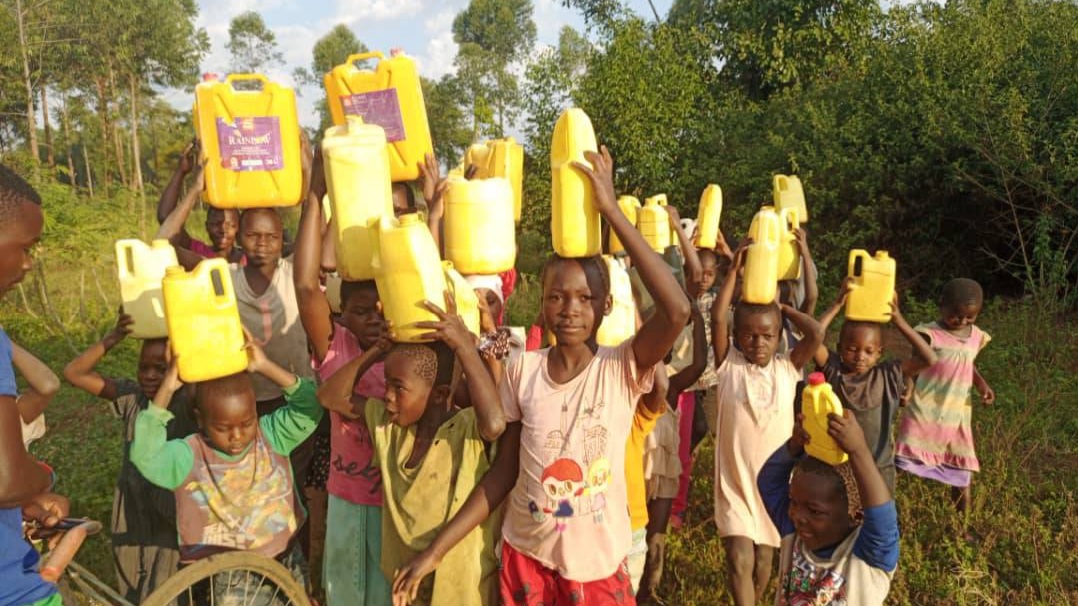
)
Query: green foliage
[
  {"x": 329, "y": 51},
  {"x": 253, "y": 45}
]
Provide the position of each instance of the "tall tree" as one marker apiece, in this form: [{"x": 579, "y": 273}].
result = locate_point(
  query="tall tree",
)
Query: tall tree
[
  {"x": 253, "y": 45},
  {"x": 329, "y": 51}
]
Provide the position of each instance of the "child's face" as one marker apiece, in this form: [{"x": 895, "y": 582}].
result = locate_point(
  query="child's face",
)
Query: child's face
[
  {"x": 819, "y": 513},
  {"x": 570, "y": 310},
  {"x": 959, "y": 317},
  {"x": 152, "y": 367},
  {"x": 261, "y": 239},
  {"x": 221, "y": 227},
  {"x": 859, "y": 348},
  {"x": 757, "y": 336},
  {"x": 709, "y": 266},
  {"x": 406, "y": 391},
  {"x": 361, "y": 316},
  {"x": 400, "y": 200},
  {"x": 230, "y": 422},
  {"x": 17, "y": 241}
]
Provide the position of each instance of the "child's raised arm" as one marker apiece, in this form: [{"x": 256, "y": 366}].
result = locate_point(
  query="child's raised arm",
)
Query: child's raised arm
[
  {"x": 807, "y": 347},
  {"x": 434, "y": 186},
  {"x": 167, "y": 203},
  {"x": 923, "y": 355},
  {"x": 849, "y": 436},
  {"x": 314, "y": 312},
  {"x": 821, "y": 355},
  {"x": 172, "y": 226},
  {"x": 720, "y": 321},
  {"x": 688, "y": 375},
  {"x": 693, "y": 269},
  {"x": 163, "y": 462},
  {"x": 43, "y": 383},
  {"x": 659, "y": 332},
  {"x": 336, "y": 393},
  {"x": 656, "y": 400},
  {"x": 812, "y": 293},
  {"x": 80, "y": 371}
]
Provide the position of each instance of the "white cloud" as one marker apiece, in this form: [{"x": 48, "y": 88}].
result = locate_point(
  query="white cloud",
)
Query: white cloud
[
  {"x": 437, "y": 59},
  {"x": 351, "y": 11}
]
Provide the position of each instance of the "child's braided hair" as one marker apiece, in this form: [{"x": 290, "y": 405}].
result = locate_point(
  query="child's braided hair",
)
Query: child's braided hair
[{"x": 844, "y": 482}]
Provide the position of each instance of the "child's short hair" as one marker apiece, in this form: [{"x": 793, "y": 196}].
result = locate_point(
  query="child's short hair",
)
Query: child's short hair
[
  {"x": 707, "y": 253},
  {"x": 251, "y": 212},
  {"x": 744, "y": 309},
  {"x": 213, "y": 210},
  {"x": 238, "y": 384},
  {"x": 409, "y": 195},
  {"x": 349, "y": 288},
  {"x": 850, "y": 325},
  {"x": 14, "y": 191},
  {"x": 961, "y": 291},
  {"x": 594, "y": 271},
  {"x": 434, "y": 362},
  {"x": 842, "y": 478}
]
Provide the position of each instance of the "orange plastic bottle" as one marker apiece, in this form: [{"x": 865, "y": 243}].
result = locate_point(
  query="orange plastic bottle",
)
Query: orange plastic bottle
[
  {"x": 203, "y": 319},
  {"x": 574, "y": 222},
  {"x": 760, "y": 281},
  {"x": 707, "y": 218},
  {"x": 872, "y": 288},
  {"x": 630, "y": 207},
  {"x": 819, "y": 400},
  {"x": 141, "y": 269}
]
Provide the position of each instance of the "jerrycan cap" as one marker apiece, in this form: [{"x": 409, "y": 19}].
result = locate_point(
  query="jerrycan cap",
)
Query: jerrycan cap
[
  {"x": 817, "y": 378},
  {"x": 409, "y": 219},
  {"x": 160, "y": 243},
  {"x": 174, "y": 270}
]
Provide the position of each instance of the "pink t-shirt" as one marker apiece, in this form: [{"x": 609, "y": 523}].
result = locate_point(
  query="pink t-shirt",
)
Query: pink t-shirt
[
  {"x": 569, "y": 509},
  {"x": 353, "y": 474}
]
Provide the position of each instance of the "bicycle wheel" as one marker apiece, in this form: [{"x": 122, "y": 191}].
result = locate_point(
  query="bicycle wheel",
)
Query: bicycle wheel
[{"x": 235, "y": 578}]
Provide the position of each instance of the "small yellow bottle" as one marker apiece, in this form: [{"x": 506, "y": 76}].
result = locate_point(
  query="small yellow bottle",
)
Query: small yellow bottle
[
  {"x": 872, "y": 288},
  {"x": 141, "y": 269},
  {"x": 203, "y": 319},
  {"x": 574, "y": 222},
  {"x": 654, "y": 223},
  {"x": 707, "y": 218},
  {"x": 360, "y": 192},
  {"x": 760, "y": 281},
  {"x": 480, "y": 235},
  {"x": 409, "y": 272},
  {"x": 464, "y": 296},
  {"x": 630, "y": 207},
  {"x": 788, "y": 193},
  {"x": 819, "y": 400},
  {"x": 620, "y": 323},
  {"x": 789, "y": 251}
]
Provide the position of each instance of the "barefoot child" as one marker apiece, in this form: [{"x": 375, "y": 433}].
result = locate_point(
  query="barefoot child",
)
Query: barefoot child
[
  {"x": 233, "y": 483},
  {"x": 869, "y": 388},
  {"x": 839, "y": 525},
  {"x": 935, "y": 435},
  {"x": 755, "y": 394},
  {"x": 143, "y": 531}
]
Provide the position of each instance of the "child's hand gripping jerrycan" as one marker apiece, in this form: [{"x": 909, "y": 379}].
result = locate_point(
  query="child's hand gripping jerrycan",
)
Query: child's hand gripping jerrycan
[
  {"x": 250, "y": 143},
  {"x": 360, "y": 192},
  {"x": 789, "y": 251},
  {"x": 654, "y": 223},
  {"x": 819, "y": 400},
  {"x": 620, "y": 323},
  {"x": 203, "y": 319},
  {"x": 872, "y": 287},
  {"x": 574, "y": 223},
  {"x": 788, "y": 193},
  {"x": 464, "y": 296},
  {"x": 630, "y": 207},
  {"x": 390, "y": 96},
  {"x": 408, "y": 272},
  {"x": 707, "y": 217},
  {"x": 760, "y": 282},
  {"x": 141, "y": 269}
]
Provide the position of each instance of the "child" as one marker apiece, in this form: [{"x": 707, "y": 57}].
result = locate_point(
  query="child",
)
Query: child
[
  {"x": 431, "y": 455},
  {"x": 870, "y": 389},
  {"x": 233, "y": 483},
  {"x": 43, "y": 385},
  {"x": 144, "y": 548},
  {"x": 839, "y": 525},
  {"x": 755, "y": 394},
  {"x": 649, "y": 410},
  {"x": 935, "y": 436},
  {"x": 801, "y": 293},
  {"x": 351, "y": 574}
]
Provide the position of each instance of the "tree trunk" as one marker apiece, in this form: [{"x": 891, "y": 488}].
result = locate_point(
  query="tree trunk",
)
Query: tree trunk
[
  {"x": 65, "y": 124},
  {"x": 31, "y": 123},
  {"x": 49, "y": 151},
  {"x": 136, "y": 153},
  {"x": 117, "y": 144},
  {"x": 89, "y": 171},
  {"x": 106, "y": 127}
]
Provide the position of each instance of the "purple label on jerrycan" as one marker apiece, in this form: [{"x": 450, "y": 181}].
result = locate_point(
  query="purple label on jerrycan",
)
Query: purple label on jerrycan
[
  {"x": 250, "y": 144},
  {"x": 379, "y": 107}
]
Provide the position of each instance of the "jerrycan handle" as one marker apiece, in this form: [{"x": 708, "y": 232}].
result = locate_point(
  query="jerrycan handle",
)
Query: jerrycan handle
[
  {"x": 240, "y": 77},
  {"x": 772, "y": 234},
  {"x": 855, "y": 267},
  {"x": 363, "y": 57},
  {"x": 782, "y": 183},
  {"x": 126, "y": 257},
  {"x": 222, "y": 288},
  {"x": 376, "y": 244},
  {"x": 789, "y": 218}
]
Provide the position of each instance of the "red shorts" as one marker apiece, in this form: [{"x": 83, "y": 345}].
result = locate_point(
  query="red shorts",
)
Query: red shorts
[{"x": 525, "y": 582}]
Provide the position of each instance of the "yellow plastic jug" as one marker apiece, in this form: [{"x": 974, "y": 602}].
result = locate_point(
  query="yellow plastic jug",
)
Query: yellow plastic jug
[
  {"x": 654, "y": 223},
  {"x": 872, "y": 288},
  {"x": 574, "y": 222},
  {"x": 464, "y": 296},
  {"x": 819, "y": 400},
  {"x": 141, "y": 269},
  {"x": 250, "y": 143},
  {"x": 480, "y": 237},
  {"x": 620, "y": 324},
  {"x": 500, "y": 158},
  {"x": 762, "y": 259},
  {"x": 789, "y": 252},
  {"x": 203, "y": 321},
  {"x": 789, "y": 194},
  {"x": 390, "y": 96},
  {"x": 360, "y": 192},
  {"x": 707, "y": 217},
  {"x": 409, "y": 272},
  {"x": 630, "y": 207},
  {"x": 477, "y": 155}
]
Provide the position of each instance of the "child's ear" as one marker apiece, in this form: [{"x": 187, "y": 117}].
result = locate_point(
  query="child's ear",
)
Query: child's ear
[
  {"x": 608, "y": 305},
  {"x": 197, "y": 412},
  {"x": 439, "y": 395}
]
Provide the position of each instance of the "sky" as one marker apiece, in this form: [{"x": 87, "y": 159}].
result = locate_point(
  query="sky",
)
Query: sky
[{"x": 423, "y": 28}]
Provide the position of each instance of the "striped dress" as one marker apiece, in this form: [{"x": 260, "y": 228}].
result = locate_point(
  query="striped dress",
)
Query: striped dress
[{"x": 935, "y": 436}]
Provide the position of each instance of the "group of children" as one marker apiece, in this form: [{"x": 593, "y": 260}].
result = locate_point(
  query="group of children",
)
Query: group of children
[{"x": 466, "y": 470}]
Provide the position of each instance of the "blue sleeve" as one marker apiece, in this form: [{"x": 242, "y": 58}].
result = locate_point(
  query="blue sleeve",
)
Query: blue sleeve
[
  {"x": 7, "y": 370},
  {"x": 774, "y": 484},
  {"x": 877, "y": 545}
]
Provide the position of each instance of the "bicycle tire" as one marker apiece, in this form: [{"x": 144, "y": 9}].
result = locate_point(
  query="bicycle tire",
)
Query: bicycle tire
[{"x": 181, "y": 583}]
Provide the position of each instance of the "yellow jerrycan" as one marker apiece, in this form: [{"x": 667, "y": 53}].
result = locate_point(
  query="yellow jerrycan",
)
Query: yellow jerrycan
[
  {"x": 250, "y": 143},
  {"x": 872, "y": 287},
  {"x": 760, "y": 280},
  {"x": 204, "y": 326},
  {"x": 707, "y": 217},
  {"x": 504, "y": 158},
  {"x": 620, "y": 324},
  {"x": 630, "y": 207},
  {"x": 464, "y": 296},
  {"x": 819, "y": 400},
  {"x": 390, "y": 96},
  {"x": 574, "y": 222},
  {"x": 141, "y": 269},
  {"x": 477, "y": 155},
  {"x": 789, "y": 252},
  {"x": 789, "y": 194},
  {"x": 654, "y": 223},
  {"x": 479, "y": 233},
  {"x": 409, "y": 272},
  {"x": 360, "y": 192}
]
